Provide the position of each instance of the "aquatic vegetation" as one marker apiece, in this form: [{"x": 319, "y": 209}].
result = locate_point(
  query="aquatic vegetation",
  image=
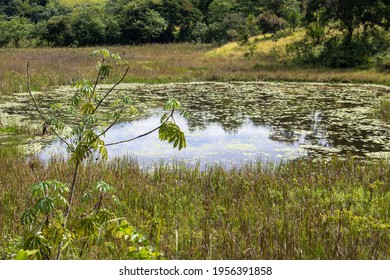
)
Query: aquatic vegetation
[{"x": 315, "y": 119}]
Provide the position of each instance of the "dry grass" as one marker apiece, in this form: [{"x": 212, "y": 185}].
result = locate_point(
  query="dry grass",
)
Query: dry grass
[
  {"x": 264, "y": 45},
  {"x": 167, "y": 63}
]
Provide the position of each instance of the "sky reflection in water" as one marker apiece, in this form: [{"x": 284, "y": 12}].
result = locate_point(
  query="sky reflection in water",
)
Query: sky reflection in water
[
  {"x": 211, "y": 144},
  {"x": 232, "y": 123}
]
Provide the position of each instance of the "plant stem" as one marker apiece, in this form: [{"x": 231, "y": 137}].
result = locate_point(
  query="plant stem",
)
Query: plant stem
[{"x": 70, "y": 200}]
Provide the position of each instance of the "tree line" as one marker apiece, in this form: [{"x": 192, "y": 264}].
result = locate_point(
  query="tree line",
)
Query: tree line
[{"x": 333, "y": 27}]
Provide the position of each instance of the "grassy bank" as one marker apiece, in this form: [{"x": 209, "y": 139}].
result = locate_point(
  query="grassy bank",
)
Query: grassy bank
[
  {"x": 169, "y": 63},
  {"x": 298, "y": 210}
]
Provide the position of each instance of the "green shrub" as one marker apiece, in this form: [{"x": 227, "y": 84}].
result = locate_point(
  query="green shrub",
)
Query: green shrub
[{"x": 382, "y": 61}]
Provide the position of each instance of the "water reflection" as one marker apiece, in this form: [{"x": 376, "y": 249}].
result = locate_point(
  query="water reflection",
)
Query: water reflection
[
  {"x": 208, "y": 144},
  {"x": 235, "y": 122}
]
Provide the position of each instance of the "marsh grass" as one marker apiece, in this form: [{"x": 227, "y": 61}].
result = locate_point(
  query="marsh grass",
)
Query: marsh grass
[
  {"x": 296, "y": 210},
  {"x": 167, "y": 63},
  {"x": 382, "y": 110}
]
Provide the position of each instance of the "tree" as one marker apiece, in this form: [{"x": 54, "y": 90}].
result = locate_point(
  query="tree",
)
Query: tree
[
  {"x": 88, "y": 25},
  {"x": 291, "y": 12},
  {"x": 59, "y": 31},
  {"x": 218, "y": 9},
  {"x": 15, "y": 32},
  {"x": 270, "y": 22},
  {"x": 349, "y": 15},
  {"x": 140, "y": 22},
  {"x": 180, "y": 15},
  {"x": 85, "y": 141}
]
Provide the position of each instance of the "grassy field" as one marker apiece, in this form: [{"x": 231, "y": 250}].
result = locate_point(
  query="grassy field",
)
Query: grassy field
[
  {"x": 298, "y": 210},
  {"x": 171, "y": 63}
]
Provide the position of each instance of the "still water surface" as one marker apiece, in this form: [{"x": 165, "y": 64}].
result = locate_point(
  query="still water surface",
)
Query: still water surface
[{"x": 232, "y": 123}]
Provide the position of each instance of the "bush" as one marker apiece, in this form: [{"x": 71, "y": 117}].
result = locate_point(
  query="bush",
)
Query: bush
[
  {"x": 303, "y": 51},
  {"x": 15, "y": 32},
  {"x": 270, "y": 22},
  {"x": 59, "y": 31},
  {"x": 232, "y": 28},
  {"x": 140, "y": 23},
  {"x": 88, "y": 26},
  {"x": 338, "y": 52},
  {"x": 342, "y": 51},
  {"x": 199, "y": 31},
  {"x": 382, "y": 61}
]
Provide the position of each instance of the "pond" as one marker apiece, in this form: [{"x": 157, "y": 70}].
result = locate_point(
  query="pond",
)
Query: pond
[{"x": 232, "y": 123}]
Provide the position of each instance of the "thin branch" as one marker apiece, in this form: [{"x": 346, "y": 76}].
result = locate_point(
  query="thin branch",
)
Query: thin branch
[
  {"x": 39, "y": 109},
  {"x": 111, "y": 125},
  {"x": 97, "y": 81},
  {"x": 144, "y": 134},
  {"x": 67, "y": 211},
  {"x": 108, "y": 92}
]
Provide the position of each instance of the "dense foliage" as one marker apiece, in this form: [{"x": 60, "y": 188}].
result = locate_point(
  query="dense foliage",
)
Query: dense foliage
[{"x": 334, "y": 27}]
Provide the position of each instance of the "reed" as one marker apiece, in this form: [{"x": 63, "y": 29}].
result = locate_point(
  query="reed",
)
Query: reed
[{"x": 296, "y": 210}]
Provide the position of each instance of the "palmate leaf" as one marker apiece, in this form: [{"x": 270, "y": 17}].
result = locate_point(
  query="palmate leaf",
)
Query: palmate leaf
[
  {"x": 101, "y": 52},
  {"x": 75, "y": 101},
  {"x": 86, "y": 197},
  {"x": 86, "y": 226},
  {"x": 99, "y": 146},
  {"x": 61, "y": 200},
  {"x": 40, "y": 188},
  {"x": 103, "y": 216},
  {"x": 87, "y": 108},
  {"x": 84, "y": 89},
  {"x": 103, "y": 187},
  {"x": 164, "y": 117},
  {"x": 81, "y": 152},
  {"x": 105, "y": 70},
  {"x": 172, "y": 104},
  {"x": 89, "y": 119},
  {"x": 171, "y": 132},
  {"x": 126, "y": 100},
  {"x": 45, "y": 205},
  {"x": 184, "y": 114},
  {"x": 37, "y": 242},
  {"x": 28, "y": 217},
  {"x": 57, "y": 186}
]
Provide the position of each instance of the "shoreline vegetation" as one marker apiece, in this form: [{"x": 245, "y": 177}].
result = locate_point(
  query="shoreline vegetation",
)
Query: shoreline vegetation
[
  {"x": 166, "y": 63},
  {"x": 296, "y": 210}
]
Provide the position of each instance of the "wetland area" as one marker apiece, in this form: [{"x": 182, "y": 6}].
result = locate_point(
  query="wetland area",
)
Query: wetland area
[
  {"x": 227, "y": 200},
  {"x": 230, "y": 123}
]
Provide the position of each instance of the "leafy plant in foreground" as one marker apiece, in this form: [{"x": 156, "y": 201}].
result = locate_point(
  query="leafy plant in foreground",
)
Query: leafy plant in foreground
[{"x": 48, "y": 231}]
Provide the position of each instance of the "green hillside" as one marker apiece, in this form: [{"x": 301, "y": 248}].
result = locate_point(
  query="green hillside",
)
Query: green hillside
[{"x": 71, "y": 3}]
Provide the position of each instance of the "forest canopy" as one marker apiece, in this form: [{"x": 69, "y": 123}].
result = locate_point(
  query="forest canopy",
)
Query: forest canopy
[{"x": 339, "y": 33}]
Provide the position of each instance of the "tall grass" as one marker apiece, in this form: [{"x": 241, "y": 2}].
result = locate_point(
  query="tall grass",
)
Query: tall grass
[
  {"x": 297, "y": 210},
  {"x": 158, "y": 63}
]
